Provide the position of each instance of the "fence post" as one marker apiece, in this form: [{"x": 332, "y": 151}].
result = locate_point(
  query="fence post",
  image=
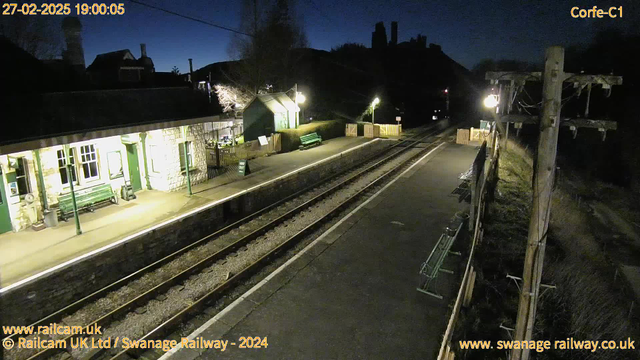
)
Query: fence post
[{"x": 468, "y": 293}]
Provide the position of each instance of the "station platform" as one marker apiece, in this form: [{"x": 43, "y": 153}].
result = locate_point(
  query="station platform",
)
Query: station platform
[
  {"x": 27, "y": 253},
  {"x": 351, "y": 294}
]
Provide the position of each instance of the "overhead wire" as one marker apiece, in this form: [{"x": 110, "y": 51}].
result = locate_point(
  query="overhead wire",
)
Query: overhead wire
[{"x": 189, "y": 17}]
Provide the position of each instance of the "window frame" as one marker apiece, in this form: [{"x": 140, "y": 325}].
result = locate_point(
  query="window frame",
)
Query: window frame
[
  {"x": 22, "y": 163},
  {"x": 119, "y": 174},
  {"x": 92, "y": 157},
  {"x": 153, "y": 158},
  {"x": 74, "y": 166}
]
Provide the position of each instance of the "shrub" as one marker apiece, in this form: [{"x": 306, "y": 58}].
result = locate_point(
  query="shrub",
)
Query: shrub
[{"x": 326, "y": 129}]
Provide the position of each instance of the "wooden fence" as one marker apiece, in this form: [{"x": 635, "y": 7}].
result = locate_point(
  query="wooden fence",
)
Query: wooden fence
[
  {"x": 351, "y": 130},
  {"x": 482, "y": 187},
  {"x": 390, "y": 130},
  {"x": 378, "y": 130},
  {"x": 231, "y": 155}
]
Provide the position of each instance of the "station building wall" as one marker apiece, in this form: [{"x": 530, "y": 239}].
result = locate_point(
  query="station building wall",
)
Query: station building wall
[{"x": 101, "y": 161}]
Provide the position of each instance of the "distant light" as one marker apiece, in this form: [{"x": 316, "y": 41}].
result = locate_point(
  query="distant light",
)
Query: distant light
[
  {"x": 434, "y": 117},
  {"x": 491, "y": 101},
  {"x": 446, "y": 90}
]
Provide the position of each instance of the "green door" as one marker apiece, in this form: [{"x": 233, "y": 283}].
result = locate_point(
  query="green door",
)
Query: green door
[
  {"x": 134, "y": 168},
  {"x": 5, "y": 220}
]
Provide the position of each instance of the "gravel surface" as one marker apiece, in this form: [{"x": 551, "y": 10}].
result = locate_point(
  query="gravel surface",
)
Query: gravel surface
[{"x": 145, "y": 318}]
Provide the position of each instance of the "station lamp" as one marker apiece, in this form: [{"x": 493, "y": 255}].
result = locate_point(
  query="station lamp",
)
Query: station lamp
[
  {"x": 491, "y": 101},
  {"x": 375, "y": 102}
]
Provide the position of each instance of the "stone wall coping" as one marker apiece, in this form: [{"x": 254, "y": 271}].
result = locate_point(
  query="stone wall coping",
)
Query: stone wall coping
[{"x": 175, "y": 219}]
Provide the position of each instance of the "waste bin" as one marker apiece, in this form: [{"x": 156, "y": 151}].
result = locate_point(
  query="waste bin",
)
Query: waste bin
[{"x": 50, "y": 218}]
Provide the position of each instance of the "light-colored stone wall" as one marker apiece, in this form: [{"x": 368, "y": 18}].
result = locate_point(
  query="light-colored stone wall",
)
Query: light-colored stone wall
[
  {"x": 163, "y": 164},
  {"x": 21, "y": 212},
  {"x": 164, "y": 158}
]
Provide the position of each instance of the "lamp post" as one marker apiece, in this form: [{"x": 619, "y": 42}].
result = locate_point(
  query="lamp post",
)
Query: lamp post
[
  {"x": 375, "y": 102},
  {"x": 446, "y": 91},
  {"x": 70, "y": 173}
]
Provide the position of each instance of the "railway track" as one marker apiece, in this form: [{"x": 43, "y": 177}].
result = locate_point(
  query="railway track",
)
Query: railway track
[{"x": 231, "y": 243}]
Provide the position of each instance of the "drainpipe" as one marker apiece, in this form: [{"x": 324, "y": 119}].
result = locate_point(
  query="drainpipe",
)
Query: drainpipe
[
  {"x": 186, "y": 163},
  {"x": 43, "y": 191},
  {"x": 143, "y": 138},
  {"x": 73, "y": 194}
]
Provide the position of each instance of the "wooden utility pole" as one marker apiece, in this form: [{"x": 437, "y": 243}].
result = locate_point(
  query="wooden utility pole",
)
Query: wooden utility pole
[
  {"x": 544, "y": 173},
  {"x": 545, "y": 166}
]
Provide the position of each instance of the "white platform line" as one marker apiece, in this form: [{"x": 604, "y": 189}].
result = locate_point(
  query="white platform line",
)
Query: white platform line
[
  {"x": 179, "y": 217},
  {"x": 243, "y": 297}
]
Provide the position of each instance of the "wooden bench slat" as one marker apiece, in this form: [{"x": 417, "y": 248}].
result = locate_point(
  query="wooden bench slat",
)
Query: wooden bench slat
[
  {"x": 310, "y": 139},
  {"x": 85, "y": 197}
]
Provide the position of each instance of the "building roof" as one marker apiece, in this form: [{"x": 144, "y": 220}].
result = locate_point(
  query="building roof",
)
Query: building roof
[
  {"x": 276, "y": 102},
  {"x": 22, "y": 72},
  {"x": 114, "y": 60},
  {"x": 43, "y": 116}
]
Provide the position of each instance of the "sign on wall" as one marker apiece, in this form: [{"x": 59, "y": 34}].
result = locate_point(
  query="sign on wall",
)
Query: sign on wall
[{"x": 13, "y": 189}]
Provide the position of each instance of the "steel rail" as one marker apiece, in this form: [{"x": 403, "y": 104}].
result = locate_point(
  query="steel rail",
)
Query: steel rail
[
  {"x": 165, "y": 285},
  {"x": 59, "y": 314},
  {"x": 217, "y": 292}
]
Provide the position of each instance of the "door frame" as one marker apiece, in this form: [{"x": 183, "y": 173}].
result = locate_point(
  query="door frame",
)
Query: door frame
[
  {"x": 5, "y": 220},
  {"x": 133, "y": 174}
]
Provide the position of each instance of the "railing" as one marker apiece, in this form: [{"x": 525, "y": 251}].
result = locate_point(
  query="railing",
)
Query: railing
[
  {"x": 482, "y": 188},
  {"x": 230, "y": 155}
]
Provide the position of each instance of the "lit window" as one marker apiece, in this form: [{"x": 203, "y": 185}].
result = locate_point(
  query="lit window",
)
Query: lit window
[
  {"x": 22, "y": 176},
  {"x": 189, "y": 156},
  {"x": 62, "y": 166},
  {"x": 89, "y": 162},
  {"x": 114, "y": 159}
]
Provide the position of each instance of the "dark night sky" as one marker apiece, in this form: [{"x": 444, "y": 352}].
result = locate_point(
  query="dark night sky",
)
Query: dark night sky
[{"x": 467, "y": 30}]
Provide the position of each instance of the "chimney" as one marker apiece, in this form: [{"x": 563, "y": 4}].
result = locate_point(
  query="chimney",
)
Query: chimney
[
  {"x": 143, "y": 50},
  {"x": 74, "y": 53},
  {"x": 394, "y": 33}
]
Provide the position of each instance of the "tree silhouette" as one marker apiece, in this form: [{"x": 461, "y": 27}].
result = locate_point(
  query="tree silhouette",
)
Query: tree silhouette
[{"x": 266, "y": 58}]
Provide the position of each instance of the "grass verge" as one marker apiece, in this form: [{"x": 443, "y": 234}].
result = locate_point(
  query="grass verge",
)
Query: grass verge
[{"x": 584, "y": 306}]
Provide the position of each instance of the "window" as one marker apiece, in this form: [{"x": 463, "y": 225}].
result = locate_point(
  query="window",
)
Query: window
[
  {"x": 62, "y": 166},
  {"x": 89, "y": 162},
  {"x": 114, "y": 159},
  {"x": 22, "y": 176},
  {"x": 189, "y": 156}
]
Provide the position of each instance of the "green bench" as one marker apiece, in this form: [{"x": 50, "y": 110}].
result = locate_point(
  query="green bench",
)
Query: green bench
[
  {"x": 310, "y": 140},
  {"x": 85, "y": 199},
  {"x": 433, "y": 266}
]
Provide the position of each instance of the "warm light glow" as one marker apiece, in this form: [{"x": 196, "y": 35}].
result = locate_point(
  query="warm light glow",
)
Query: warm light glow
[
  {"x": 446, "y": 90},
  {"x": 300, "y": 98},
  {"x": 491, "y": 101},
  {"x": 375, "y": 102}
]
